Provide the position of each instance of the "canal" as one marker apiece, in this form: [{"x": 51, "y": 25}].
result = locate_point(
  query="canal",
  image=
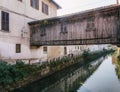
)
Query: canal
[{"x": 97, "y": 76}]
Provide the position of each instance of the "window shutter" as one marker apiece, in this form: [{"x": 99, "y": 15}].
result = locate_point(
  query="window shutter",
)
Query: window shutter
[
  {"x": 5, "y": 21},
  {"x": 31, "y": 3},
  {"x": 42, "y": 7},
  {"x": 37, "y": 4}
]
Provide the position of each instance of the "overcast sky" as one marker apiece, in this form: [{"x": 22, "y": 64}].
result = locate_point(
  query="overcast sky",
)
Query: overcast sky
[{"x": 72, "y": 6}]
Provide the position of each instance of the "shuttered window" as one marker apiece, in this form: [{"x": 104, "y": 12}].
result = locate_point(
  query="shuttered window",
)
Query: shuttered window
[
  {"x": 45, "y": 8},
  {"x": 90, "y": 24},
  {"x": 35, "y": 4},
  {"x": 5, "y": 21}
]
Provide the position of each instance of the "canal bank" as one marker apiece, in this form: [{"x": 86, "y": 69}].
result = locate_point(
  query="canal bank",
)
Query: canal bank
[
  {"x": 97, "y": 76},
  {"x": 56, "y": 66},
  {"x": 66, "y": 80}
]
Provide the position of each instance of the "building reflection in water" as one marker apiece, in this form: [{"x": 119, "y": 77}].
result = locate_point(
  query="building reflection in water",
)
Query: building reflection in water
[{"x": 113, "y": 59}]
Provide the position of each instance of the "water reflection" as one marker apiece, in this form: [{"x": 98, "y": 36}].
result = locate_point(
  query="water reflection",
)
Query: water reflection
[
  {"x": 117, "y": 66},
  {"x": 68, "y": 80},
  {"x": 104, "y": 78},
  {"x": 116, "y": 62}
]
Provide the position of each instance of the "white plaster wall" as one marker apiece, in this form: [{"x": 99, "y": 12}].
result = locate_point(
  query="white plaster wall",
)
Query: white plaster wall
[
  {"x": 25, "y": 8},
  {"x": 20, "y": 13},
  {"x": 8, "y": 40},
  {"x": 55, "y": 52},
  {"x": 78, "y": 49},
  {"x": 97, "y": 47},
  {"x": 7, "y": 51}
]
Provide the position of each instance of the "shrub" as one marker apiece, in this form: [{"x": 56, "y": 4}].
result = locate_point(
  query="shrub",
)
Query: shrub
[
  {"x": 4, "y": 73},
  {"x": 10, "y": 73},
  {"x": 85, "y": 54},
  {"x": 19, "y": 63}
]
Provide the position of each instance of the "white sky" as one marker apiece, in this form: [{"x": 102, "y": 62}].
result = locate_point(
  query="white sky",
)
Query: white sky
[{"x": 72, "y": 6}]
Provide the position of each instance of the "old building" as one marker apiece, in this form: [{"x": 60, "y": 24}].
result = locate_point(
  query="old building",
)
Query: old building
[
  {"x": 14, "y": 30},
  {"x": 15, "y": 33}
]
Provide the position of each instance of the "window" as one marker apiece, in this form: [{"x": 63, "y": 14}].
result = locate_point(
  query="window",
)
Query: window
[
  {"x": 5, "y": 21},
  {"x": 90, "y": 25},
  {"x": 65, "y": 50},
  {"x": 63, "y": 28},
  {"x": 18, "y": 48},
  {"x": 35, "y": 4},
  {"x": 45, "y": 50},
  {"x": 20, "y": 0},
  {"x": 43, "y": 31},
  {"x": 44, "y": 8}
]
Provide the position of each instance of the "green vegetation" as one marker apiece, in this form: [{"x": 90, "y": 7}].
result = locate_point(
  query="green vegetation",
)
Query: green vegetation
[
  {"x": 117, "y": 69},
  {"x": 88, "y": 56},
  {"x": 117, "y": 64},
  {"x": 9, "y": 73},
  {"x": 118, "y": 58},
  {"x": 20, "y": 73},
  {"x": 13, "y": 73}
]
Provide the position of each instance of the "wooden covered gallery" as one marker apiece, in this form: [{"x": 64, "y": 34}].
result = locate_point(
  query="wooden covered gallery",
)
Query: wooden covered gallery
[{"x": 96, "y": 26}]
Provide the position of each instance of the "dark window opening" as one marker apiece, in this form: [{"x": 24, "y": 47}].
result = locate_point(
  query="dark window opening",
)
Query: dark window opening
[
  {"x": 44, "y": 50},
  {"x": 5, "y": 21},
  {"x": 33, "y": 30},
  {"x": 65, "y": 50},
  {"x": 90, "y": 25},
  {"x": 18, "y": 48},
  {"x": 43, "y": 31},
  {"x": 63, "y": 28}
]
